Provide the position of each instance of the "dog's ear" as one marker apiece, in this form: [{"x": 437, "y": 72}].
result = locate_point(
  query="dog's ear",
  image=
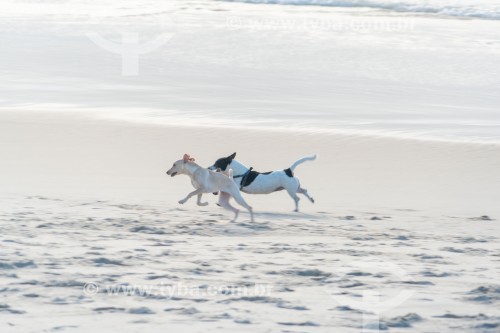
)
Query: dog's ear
[
  {"x": 186, "y": 158},
  {"x": 232, "y": 156}
]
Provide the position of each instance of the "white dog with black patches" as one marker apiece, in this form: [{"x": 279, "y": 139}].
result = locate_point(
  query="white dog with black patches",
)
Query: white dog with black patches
[
  {"x": 208, "y": 181},
  {"x": 254, "y": 182}
]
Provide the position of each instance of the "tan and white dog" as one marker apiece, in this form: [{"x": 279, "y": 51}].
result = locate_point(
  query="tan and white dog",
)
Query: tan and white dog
[{"x": 208, "y": 181}]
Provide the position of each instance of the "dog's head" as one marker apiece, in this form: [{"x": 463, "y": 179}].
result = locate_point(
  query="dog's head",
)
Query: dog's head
[
  {"x": 179, "y": 166},
  {"x": 223, "y": 163}
]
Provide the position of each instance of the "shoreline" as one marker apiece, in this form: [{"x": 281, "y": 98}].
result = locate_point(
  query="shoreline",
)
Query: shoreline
[{"x": 136, "y": 116}]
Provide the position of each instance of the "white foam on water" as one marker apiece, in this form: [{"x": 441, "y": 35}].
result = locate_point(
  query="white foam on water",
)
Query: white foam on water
[{"x": 472, "y": 9}]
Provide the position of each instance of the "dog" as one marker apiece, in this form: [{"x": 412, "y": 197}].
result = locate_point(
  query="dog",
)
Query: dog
[
  {"x": 254, "y": 182},
  {"x": 208, "y": 181}
]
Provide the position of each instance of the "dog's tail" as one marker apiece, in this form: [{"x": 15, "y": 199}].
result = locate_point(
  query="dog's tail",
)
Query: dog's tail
[{"x": 302, "y": 160}]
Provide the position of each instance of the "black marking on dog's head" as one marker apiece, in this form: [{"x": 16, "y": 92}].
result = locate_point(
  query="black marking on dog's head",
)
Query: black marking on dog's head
[
  {"x": 289, "y": 172},
  {"x": 223, "y": 162}
]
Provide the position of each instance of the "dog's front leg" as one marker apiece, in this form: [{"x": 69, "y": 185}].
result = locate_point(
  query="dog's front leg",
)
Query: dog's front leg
[
  {"x": 197, "y": 192},
  {"x": 199, "y": 201}
]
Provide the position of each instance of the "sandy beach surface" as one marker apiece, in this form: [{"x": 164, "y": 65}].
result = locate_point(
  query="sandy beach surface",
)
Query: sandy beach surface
[
  {"x": 399, "y": 99},
  {"x": 93, "y": 238}
]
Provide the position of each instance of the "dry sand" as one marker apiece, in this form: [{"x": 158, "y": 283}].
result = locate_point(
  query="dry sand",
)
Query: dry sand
[{"x": 87, "y": 201}]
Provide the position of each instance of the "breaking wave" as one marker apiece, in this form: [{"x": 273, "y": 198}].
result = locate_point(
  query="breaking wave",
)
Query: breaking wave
[{"x": 466, "y": 9}]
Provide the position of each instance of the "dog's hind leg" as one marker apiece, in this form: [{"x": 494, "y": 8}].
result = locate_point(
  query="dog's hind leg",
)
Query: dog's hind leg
[
  {"x": 199, "y": 201},
  {"x": 224, "y": 202},
  {"x": 295, "y": 197},
  {"x": 239, "y": 199},
  {"x": 304, "y": 192}
]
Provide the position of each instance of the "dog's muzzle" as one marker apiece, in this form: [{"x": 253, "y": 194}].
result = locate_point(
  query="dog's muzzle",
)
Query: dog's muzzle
[{"x": 173, "y": 174}]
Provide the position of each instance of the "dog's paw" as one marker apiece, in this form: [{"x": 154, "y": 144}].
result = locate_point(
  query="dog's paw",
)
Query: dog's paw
[
  {"x": 182, "y": 202},
  {"x": 203, "y": 204}
]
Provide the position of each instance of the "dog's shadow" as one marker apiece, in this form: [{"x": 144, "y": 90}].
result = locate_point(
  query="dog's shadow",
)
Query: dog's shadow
[
  {"x": 273, "y": 216},
  {"x": 270, "y": 221}
]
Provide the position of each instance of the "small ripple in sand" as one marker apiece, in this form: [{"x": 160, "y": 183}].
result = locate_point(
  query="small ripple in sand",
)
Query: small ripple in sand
[
  {"x": 485, "y": 294},
  {"x": 105, "y": 261},
  {"x": 141, "y": 310},
  {"x": 305, "y": 323}
]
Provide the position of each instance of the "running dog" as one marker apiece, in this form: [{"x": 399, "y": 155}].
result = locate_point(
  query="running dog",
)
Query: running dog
[
  {"x": 208, "y": 181},
  {"x": 254, "y": 182}
]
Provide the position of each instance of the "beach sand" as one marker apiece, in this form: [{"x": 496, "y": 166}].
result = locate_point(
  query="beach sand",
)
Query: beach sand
[
  {"x": 76, "y": 155},
  {"x": 87, "y": 208},
  {"x": 399, "y": 99}
]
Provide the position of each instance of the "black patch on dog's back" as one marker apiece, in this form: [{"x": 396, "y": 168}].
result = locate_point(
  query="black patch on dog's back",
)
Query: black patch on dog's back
[
  {"x": 248, "y": 179},
  {"x": 289, "y": 172}
]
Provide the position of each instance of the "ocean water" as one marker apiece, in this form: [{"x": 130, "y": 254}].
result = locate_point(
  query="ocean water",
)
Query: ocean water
[
  {"x": 485, "y": 9},
  {"x": 403, "y": 68}
]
